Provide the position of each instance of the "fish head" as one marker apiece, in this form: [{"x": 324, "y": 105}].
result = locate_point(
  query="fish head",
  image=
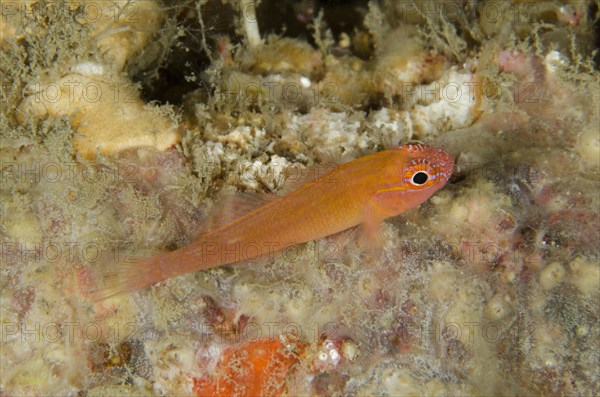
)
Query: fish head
[
  {"x": 416, "y": 173},
  {"x": 425, "y": 168},
  {"x": 423, "y": 171}
]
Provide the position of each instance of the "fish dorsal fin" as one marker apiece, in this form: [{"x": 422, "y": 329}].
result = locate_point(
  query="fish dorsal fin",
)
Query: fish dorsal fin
[
  {"x": 296, "y": 177},
  {"x": 330, "y": 156},
  {"x": 230, "y": 206}
]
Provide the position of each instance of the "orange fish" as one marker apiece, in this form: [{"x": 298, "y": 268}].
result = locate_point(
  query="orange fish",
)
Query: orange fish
[{"x": 364, "y": 192}]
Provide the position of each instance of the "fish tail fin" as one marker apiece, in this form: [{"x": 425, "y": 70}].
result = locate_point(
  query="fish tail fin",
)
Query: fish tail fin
[{"x": 125, "y": 277}]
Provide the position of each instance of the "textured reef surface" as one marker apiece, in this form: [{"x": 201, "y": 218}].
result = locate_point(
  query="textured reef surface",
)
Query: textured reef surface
[{"x": 123, "y": 123}]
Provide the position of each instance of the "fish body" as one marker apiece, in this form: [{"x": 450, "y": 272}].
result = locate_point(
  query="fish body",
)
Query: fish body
[{"x": 364, "y": 191}]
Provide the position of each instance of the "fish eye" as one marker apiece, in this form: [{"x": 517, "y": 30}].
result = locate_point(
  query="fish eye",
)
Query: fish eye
[{"x": 419, "y": 178}]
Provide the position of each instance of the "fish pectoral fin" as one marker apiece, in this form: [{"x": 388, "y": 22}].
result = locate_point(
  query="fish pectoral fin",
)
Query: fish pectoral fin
[
  {"x": 371, "y": 236},
  {"x": 371, "y": 242}
]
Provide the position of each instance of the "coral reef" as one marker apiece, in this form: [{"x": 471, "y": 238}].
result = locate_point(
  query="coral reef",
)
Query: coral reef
[{"x": 124, "y": 121}]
